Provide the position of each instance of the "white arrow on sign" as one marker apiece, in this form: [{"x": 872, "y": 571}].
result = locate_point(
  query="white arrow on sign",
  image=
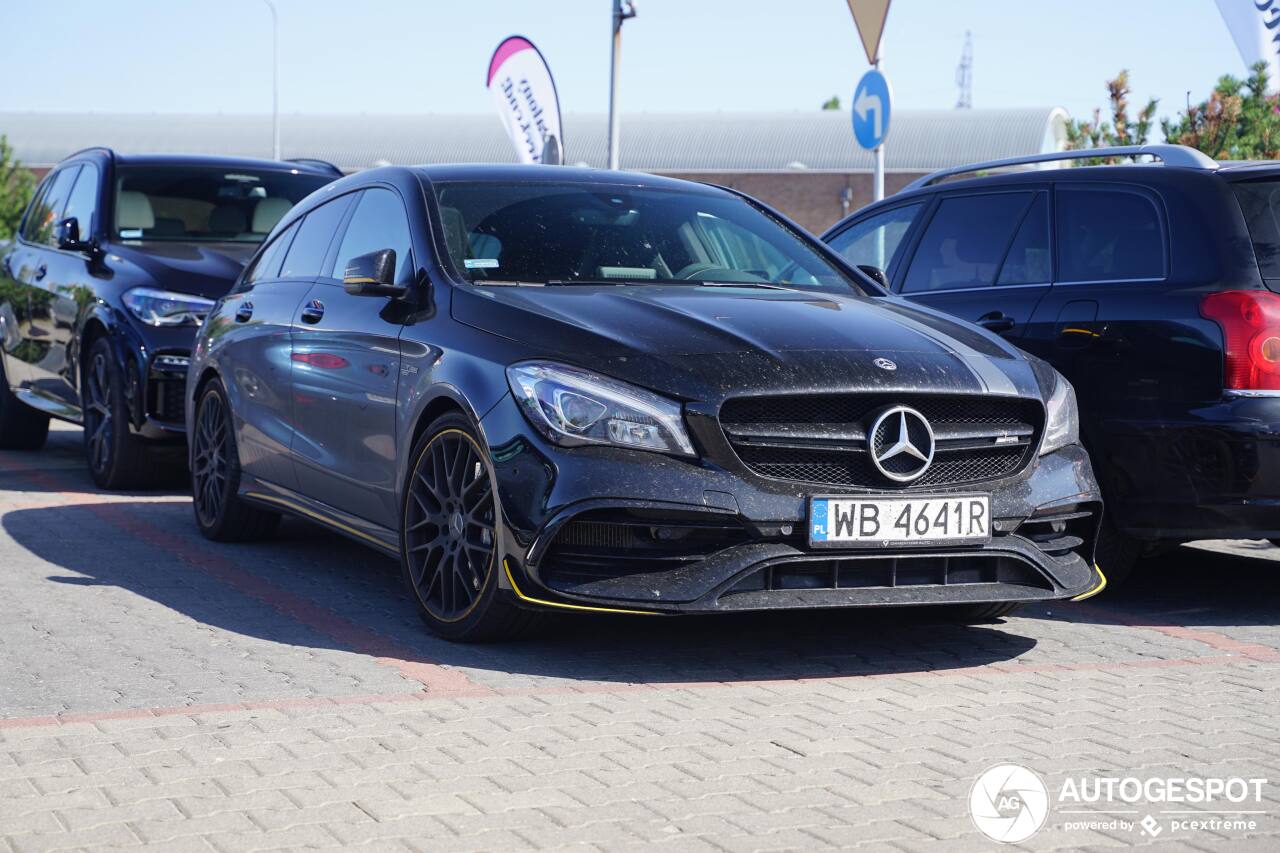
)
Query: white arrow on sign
[{"x": 867, "y": 102}]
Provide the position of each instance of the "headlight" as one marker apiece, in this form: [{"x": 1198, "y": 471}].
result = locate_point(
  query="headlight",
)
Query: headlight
[
  {"x": 166, "y": 308},
  {"x": 1063, "y": 424},
  {"x": 571, "y": 406}
]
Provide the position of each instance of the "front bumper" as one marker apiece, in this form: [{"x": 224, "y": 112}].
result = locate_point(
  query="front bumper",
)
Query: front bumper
[{"x": 602, "y": 528}]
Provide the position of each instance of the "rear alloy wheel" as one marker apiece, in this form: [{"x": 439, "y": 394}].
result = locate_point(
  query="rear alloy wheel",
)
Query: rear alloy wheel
[
  {"x": 118, "y": 458},
  {"x": 449, "y": 537},
  {"x": 21, "y": 427},
  {"x": 221, "y": 514}
]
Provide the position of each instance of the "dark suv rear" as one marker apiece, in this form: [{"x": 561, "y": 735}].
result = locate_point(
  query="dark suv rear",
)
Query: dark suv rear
[
  {"x": 117, "y": 260},
  {"x": 1154, "y": 288}
]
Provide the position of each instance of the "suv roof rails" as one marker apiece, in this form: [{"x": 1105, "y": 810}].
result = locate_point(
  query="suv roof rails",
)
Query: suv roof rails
[
  {"x": 317, "y": 163},
  {"x": 1170, "y": 155},
  {"x": 104, "y": 149}
]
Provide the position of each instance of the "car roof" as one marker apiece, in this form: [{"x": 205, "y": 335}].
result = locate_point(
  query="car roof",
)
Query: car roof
[
  {"x": 527, "y": 173},
  {"x": 216, "y": 161}
]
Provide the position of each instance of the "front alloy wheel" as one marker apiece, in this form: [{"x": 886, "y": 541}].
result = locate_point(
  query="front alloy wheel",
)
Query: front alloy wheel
[{"x": 449, "y": 536}]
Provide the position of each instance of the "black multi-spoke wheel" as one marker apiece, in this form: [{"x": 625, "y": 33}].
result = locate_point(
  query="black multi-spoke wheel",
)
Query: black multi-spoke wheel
[
  {"x": 118, "y": 457},
  {"x": 221, "y": 513},
  {"x": 21, "y": 427},
  {"x": 97, "y": 411},
  {"x": 450, "y": 536}
]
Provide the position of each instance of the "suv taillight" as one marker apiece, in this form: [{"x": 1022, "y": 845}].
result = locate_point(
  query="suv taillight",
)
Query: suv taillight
[{"x": 1250, "y": 321}]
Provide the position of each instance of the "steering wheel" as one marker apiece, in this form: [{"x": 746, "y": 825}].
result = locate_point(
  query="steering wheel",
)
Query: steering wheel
[{"x": 690, "y": 271}]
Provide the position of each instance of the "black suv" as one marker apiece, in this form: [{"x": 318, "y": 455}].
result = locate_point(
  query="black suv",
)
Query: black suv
[
  {"x": 117, "y": 260},
  {"x": 1152, "y": 287}
]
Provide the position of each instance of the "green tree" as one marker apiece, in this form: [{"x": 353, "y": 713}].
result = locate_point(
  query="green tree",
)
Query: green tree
[
  {"x": 1120, "y": 130},
  {"x": 832, "y": 103},
  {"x": 1239, "y": 121},
  {"x": 16, "y": 185}
]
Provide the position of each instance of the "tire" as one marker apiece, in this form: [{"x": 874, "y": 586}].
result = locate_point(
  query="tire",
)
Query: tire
[
  {"x": 974, "y": 613},
  {"x": 449, "y": 538},
  {"x": 1117, "y": 554},
  {"x": 221, "y": 514},
  {"x": 117, "y": 458},
  {"x": 21, "y": 427}
]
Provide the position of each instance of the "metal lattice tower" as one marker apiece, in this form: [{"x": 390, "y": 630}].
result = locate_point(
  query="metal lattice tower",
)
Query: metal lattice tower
[{"x": 964, "y": 74}]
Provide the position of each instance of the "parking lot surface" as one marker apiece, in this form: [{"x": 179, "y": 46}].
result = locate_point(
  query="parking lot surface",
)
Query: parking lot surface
[{"x": 158, "y": 691}]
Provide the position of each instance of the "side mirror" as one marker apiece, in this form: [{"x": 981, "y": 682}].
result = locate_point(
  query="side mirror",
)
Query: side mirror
[
  {"x": 373, "y": 274},
  {"x": 67, "y": 233},
  {"x": 875, "y": 274}
]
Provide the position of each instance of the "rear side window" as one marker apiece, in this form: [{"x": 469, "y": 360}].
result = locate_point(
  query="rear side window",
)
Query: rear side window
[
  {"x": 378, "y": 223},
  {"x": 965, "y": 242},
  {"x": 1108, "y": 235},
  {"x": 315, "y": 235},
  {"x": 875, "y": 241},
  {"x": 1260, "y": 203}
]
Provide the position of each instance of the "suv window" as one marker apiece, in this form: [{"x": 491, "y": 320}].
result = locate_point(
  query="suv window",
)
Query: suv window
[
  {"x": 965, "y": 242},
  {"x": 1260, "y": 203},
  {"x": 1028, "y": 259},
  {"x": 378, "y": 223},
  {"x": 315, "y": 235},
  {"x": 35, "y": 213},
  {"x": 1107, "y": 234},
  {"x": 876, "y": 240},
  {"x": 83, "y": 201},
  {"x": 44, "y": 216},
  {"x": 268, "y": 263}
]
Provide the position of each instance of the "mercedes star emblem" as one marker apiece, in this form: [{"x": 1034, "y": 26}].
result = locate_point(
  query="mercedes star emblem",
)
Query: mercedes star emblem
[
  {"x": 901, "y": 444},
  {"x": 885, "y": 364}
]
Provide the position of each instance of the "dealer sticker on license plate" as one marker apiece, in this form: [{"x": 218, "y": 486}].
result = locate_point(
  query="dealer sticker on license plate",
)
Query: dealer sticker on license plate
[{"x": 888, "y": 521}]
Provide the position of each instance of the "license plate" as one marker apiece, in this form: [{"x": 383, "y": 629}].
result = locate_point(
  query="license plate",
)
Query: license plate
[{"x": 894, "y": 521}]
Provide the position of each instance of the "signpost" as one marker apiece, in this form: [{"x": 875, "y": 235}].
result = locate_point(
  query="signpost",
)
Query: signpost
[{"x": 872, "y": 99}]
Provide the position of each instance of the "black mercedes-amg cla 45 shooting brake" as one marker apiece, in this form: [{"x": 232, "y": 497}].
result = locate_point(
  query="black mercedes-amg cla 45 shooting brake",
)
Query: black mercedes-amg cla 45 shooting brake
[{"x": 552, "y": 388}]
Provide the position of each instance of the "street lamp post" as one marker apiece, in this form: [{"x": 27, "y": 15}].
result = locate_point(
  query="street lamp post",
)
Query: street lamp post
[
  {"x": 622, "y": 10},
  {"x": 275, "y": 80}
]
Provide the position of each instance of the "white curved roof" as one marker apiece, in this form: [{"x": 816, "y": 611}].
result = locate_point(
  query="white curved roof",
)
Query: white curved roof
[{"x": 919, "y": 140}]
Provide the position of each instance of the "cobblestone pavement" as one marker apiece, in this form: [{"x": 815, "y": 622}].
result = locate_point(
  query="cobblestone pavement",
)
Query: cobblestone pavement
[{"x": 161, "y": 692}]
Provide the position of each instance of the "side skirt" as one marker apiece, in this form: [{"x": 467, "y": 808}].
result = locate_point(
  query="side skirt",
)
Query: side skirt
[{"x": 275, "y": 497}]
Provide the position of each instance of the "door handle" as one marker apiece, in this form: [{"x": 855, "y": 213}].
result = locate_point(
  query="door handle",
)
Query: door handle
[
  {"x": 996, "y": 321},
  {"x": 244, "y": 312},
  {"x": 41, "y": 272},
  {"x": 313, "y": 311}
]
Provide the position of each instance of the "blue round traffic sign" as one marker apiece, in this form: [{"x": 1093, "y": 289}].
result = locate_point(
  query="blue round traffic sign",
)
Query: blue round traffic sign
[{"x": 871, "y": 107}]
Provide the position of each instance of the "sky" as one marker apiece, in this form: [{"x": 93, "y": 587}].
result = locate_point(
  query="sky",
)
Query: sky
[{"x": 430, "y": 56}]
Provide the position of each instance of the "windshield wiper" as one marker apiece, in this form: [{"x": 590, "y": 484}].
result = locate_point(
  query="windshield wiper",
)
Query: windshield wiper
[{"x": 767, "y": 285}]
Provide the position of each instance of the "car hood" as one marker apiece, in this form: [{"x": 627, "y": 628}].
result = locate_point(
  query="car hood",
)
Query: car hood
[
  {"x": 205, "y": 269},
  {"x": 713, "y": 342}
]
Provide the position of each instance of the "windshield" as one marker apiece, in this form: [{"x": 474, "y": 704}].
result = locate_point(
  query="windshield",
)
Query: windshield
[
  {"x": 193, "y": 203},
  {"x": 579, "y": 233}
]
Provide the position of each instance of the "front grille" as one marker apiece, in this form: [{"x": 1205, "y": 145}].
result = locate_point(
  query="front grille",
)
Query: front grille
[
  {"x": 609, "y": 544},
  {"x": 890, "y": 573},
  {"x": 822, "y": 438}
]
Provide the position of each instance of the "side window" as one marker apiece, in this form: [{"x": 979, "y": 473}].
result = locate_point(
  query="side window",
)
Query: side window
[
  {"x": 315, "y": 235},
  {"x": 37, "y": 211},
  {"x": 83, "y": 201},
  {"x": 965, "y": 242},
  {"x": 51, "y": 206},
  {"x": 378, "y": 223},
  {"x": 1028, "y": 259},
  {"x": 1108, "y": 235},
  {"x": 268, "y": 263},
  {"x": 875, "y": 241}
]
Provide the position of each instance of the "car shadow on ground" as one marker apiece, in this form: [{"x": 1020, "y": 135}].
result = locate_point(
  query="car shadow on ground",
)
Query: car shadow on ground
[{"x": 153, "y": 550}]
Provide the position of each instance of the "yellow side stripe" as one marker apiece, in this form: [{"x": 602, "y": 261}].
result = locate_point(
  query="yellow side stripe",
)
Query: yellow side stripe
[
  {"x": 506, "y": 564},
  {"x": 323, "y": 519},
  {"x": 1102, "y": 584}
]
